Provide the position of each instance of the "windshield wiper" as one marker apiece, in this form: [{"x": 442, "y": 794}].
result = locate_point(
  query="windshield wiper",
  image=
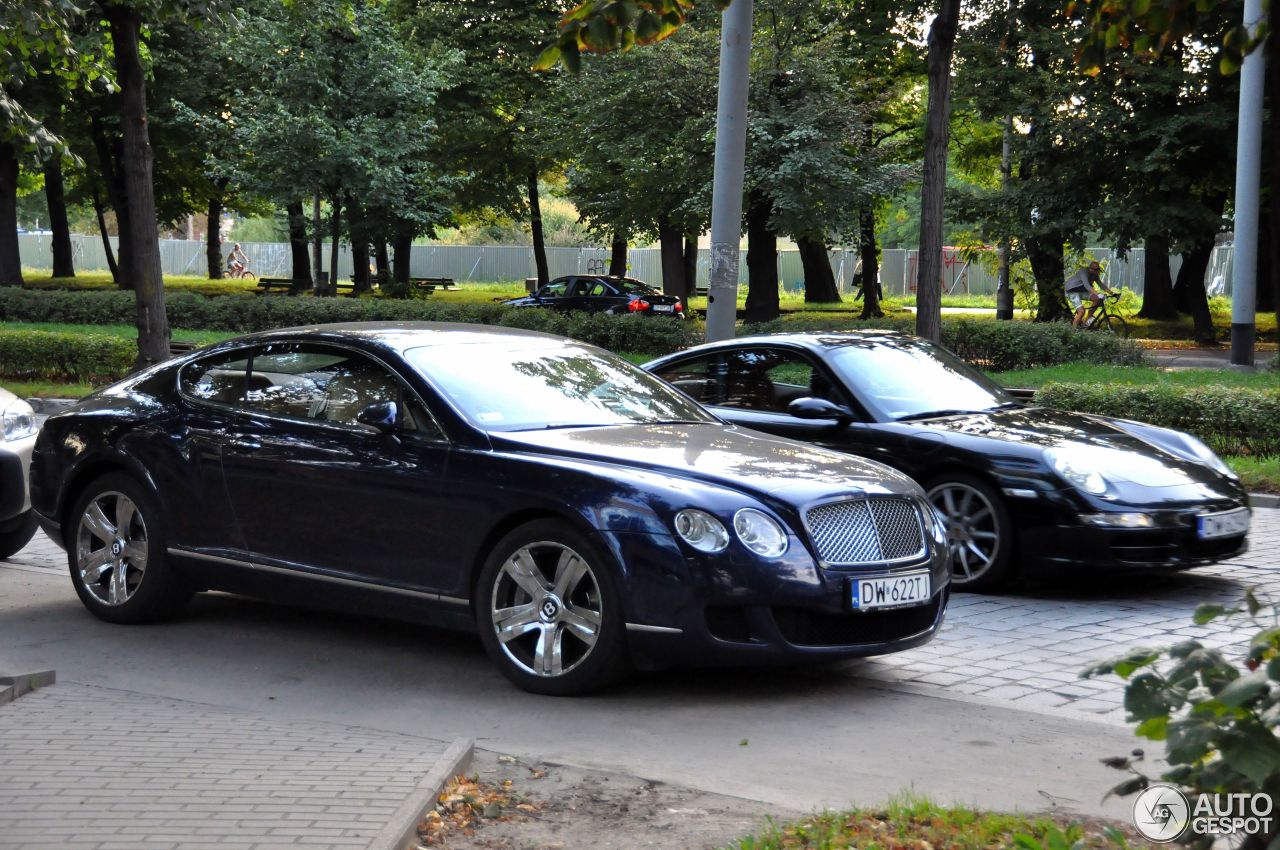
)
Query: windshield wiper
[{"x": 934, "y": 414}]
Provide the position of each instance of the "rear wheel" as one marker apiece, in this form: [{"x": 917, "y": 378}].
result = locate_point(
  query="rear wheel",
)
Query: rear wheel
[
  {"x": 116, "y": 551},
  {"x": 16, "y": 534},
  {"x": 549, "y": 611},
  {"x": 979, "y": 532}
]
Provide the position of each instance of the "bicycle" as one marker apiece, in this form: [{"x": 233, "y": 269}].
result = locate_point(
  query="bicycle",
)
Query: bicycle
[
  {"x": 239, "y": 272},
  {"x": 1100, "y": 318}
]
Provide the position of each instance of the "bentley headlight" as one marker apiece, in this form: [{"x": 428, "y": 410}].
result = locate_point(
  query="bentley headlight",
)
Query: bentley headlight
[
  {"x": 760, "y": 533},
  {"x": 701, "y": 530},
  {"x": 19, "y": 420},
  {"x": 1077, "y": 470}
]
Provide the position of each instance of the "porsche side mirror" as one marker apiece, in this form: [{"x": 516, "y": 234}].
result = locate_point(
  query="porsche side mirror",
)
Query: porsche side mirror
[
  {"x": 381, "y": 416},
  {"x": 820, "y": 408}
]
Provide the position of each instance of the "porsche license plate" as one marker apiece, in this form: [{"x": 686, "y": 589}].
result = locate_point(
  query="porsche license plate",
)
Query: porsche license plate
[
  {"x": 1225, "y": 524},
  {"x": 890, "y": 591}
]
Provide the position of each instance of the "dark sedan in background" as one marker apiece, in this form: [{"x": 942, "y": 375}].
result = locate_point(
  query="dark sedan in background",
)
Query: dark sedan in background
[
  {"x": 603, "y": 294},
  {"x": 1020, "y": 486},
  {"x": 575, "y": 510}
]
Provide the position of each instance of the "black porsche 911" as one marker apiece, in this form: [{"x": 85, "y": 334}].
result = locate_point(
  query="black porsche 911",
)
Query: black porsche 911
[
  {"x": 1021, "y": 487},
  {"x": 603, "y": 294},
  {"x": 575, "y": 510}
]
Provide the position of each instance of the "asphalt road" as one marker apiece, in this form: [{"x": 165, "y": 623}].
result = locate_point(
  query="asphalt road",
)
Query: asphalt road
[{"x": 797, "y": 739}]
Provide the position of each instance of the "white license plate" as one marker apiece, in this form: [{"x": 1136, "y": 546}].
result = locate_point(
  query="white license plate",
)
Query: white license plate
[
  {"x": 1225, "y": 524},
  {"x": 664, "y": 308},
  {"x": 890, "y": 591}
]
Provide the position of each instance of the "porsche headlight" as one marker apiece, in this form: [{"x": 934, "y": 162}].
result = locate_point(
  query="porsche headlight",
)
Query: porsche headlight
[
  {"x": 1077, "y": 470},
  {"x": 701, "y": 530},
  {"x": 1205, "y": 455},
  {"x": 19, "y": 420},
  {"x": 760, "y": 533}
]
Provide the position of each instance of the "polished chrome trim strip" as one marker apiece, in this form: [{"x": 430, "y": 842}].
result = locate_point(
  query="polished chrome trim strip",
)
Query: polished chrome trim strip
[
  {"x": 1021, "y": 493},
  {"x": 364, "y": 585},
  {"x": 662, "y": 630}
]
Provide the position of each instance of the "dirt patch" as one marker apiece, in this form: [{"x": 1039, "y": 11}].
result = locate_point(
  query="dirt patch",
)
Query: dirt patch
[{"x": 520, "y": 805}]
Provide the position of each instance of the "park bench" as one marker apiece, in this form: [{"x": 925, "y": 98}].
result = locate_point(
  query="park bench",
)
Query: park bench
[
  {"x": 431, "y": 284},
  {"x": 266, "y": 284}
]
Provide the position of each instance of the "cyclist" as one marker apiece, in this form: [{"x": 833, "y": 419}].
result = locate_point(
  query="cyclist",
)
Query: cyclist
[
  {"x": 1080, "y": 285},
  {"x": 238, "y": 261}
]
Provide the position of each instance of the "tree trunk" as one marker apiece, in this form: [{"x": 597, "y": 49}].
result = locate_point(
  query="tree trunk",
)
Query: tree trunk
[
  {"x": 213, "y": 234},
  {"x": 942, "y": 39},
  {"x": 871, "y": 293},
  {"x": 690, "y": 265},
  {"x": 403, "y": 246},
  {"x": 535, "y": 227},
  {"x": 113, "y": 179},
  {"x": 1189, "y": 290},
  {"x": 819, "y": 280},
  {"x": 317, "y": 241},
  {"x": 618, "y": 256},
  {"x": 300, "y": 267},
  {"x": 143, "y": 236},
  {"x": 1045, "y": 254},
  {"x": 671, "y": 242},
  {"x": 335, "y": 239},
  {"x": 359, "y": 247},
  {"x": 106, "y": 239},
  {"x": 55, "y": 197},
  {"x": 1157, "y": 285},
  {"x": 10, "y": 255},
  {"x": 382, "y": 261},
  {"x": 1004, "y": 282},
  {"x": 762, "y": 260}
]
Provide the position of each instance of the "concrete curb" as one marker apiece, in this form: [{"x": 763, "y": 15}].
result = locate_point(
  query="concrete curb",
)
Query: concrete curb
[
  {"x": 401, "y": 831},
  {"x": 12, "y": 687},
  {"x": 1264, "y": 500}
]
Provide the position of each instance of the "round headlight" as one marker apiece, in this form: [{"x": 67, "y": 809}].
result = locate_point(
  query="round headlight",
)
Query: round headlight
[
  {"x": 760, "y": 533},
  {"x": 701, "y": 530},
  {"x": 1079, "y": 472},
  {"x": 19, "y": 420}
]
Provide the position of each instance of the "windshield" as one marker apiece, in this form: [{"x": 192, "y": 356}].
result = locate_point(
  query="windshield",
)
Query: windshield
[
  {"x": 510, "y": 388},
  {"x": 902, "y": 378},
  {"x": 634, "y": 287}
]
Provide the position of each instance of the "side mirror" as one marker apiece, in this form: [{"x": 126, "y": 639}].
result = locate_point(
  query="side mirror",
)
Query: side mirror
[
  {"x": 381, "y": 416},
  {"x": 819, "y": 408}
]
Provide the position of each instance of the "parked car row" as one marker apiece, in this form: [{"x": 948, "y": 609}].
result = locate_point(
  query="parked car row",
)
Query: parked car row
[{"x": 770, "y": 499}]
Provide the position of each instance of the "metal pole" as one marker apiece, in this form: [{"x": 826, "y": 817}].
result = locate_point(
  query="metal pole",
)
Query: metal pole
[
  {"x": 731, "y": 150},
  {"x": 1244, "y": 281}
]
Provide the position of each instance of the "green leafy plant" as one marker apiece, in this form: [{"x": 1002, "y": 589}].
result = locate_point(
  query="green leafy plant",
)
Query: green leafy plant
[
  {"x": 1219, "y": 723},
  {"x": 76, "y": 357}
]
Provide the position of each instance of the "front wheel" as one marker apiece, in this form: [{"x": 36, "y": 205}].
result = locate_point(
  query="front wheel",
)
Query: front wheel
[
  {"x": 116, "y": 551},
  {"x": 979, "y": 532},
  {"x": 16, "y": 534},
  {"x": 1115, "y": 325},
  {"x": 549, "y": 612}
]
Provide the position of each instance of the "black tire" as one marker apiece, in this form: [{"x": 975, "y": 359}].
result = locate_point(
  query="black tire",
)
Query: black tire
[
  {"x": 987, "y": 514},
  {"x": 16, "y": 534},
  {"x": 1115, "y": 325},
  {"x": 560, "y": 622},
  {"x": 144, "y": 594}
]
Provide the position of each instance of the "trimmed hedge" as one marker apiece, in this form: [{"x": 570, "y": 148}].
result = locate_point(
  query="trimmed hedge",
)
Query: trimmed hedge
[
  {"x": 65, "y": 356},
  {"x": 1231, "y": 420},
  {"x": 249, "y": 313},
  {"x": 997, "y": 346}
]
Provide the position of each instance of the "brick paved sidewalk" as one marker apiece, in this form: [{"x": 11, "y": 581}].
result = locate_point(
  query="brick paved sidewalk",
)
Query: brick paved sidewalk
[{"x": 87, "y": 768}]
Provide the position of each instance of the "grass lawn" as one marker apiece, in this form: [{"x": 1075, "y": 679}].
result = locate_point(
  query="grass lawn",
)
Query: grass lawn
[
  {"x": 47, "y": 389},
  {"x": 122, "y": 331},
  {"x": 172, "y": 283},
  {"x": 916, "y": 824},
  {"x": 1081, "y": 373},
  {"x": 1259, "y": 474}
]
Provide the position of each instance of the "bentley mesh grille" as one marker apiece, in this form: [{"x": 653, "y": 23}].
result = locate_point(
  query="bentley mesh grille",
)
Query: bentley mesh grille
[{"x": 868, "y": 531}]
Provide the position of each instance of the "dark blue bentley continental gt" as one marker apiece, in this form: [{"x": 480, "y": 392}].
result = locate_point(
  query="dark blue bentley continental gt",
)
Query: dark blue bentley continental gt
[{"x": 576, "y": 511}]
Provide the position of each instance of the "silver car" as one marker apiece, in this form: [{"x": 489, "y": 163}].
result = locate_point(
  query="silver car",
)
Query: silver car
[{"x": 18, "y": 437}]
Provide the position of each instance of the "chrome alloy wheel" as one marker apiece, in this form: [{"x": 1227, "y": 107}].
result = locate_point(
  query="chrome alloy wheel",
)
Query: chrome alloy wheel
[
  {"x": 973, "y": 532},
  {"x": 546, "y": 608},
  {"x": 111, "y": 548}
]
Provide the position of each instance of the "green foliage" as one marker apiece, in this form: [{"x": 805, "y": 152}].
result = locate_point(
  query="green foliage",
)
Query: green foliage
[
  {"x": 75, "y": 357},
  {"x": 1231, "y": 420},
  {"x": 1087, "y": 373},
  {"x": 1218, "y": 721}
]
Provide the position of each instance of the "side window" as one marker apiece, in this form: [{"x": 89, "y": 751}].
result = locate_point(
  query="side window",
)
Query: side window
[
  {"x": 221, "y": 379},
  {"x": 701, "y": 378},
  {"x": 769, "y": 379},
  {"x": 554, "y": 290}
]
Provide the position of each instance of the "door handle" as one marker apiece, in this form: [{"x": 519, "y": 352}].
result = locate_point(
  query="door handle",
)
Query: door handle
[{"x": 246, "y": 445}]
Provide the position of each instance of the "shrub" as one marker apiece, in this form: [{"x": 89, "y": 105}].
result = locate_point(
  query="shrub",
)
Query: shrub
[
  {"x": 63, "y": 356},
  {"x": 1232, "y": 420}
]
